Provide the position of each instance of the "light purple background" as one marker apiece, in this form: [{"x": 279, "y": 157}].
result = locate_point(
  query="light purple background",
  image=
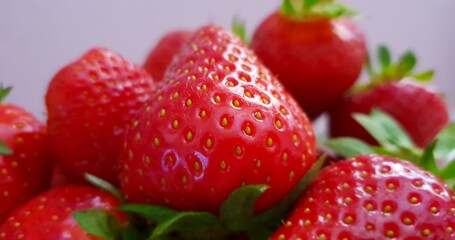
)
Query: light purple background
[{"x": 38, "y": 37}]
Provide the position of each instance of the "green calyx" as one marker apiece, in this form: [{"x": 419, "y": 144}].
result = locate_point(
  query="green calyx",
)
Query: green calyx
[
  {"x": 239, "y": 29},
  {"x": 4, "y": 92},
  {"x": 307, "y": 9},
  {"x": 236, "y": 216},
  {"x": 437, "y": 158},
  {"x": 388, "y": 71}
]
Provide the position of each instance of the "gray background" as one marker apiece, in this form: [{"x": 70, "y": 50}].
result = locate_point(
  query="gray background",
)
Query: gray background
[{"x": 38, "y": 37}]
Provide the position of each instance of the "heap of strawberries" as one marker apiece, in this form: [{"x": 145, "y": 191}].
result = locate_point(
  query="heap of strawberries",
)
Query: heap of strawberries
[{"x": 210, "y": 140}]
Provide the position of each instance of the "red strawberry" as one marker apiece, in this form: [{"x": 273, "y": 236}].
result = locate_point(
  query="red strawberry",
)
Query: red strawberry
[
  {"x": 315, "y": 54},
  {"x": 89, "y": 103},
  {"x": 219, "y": 120},
  {"x": 373, "y": 197},
  {"x": 24, "y": 164},
  {"x": 164, "y": 51},
  {"x": 49, "y": 216},
  {"x": 420, "y": 111}
]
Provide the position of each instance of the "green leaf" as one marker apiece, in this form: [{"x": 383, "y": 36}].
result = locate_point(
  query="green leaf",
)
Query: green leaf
[
  {"x": 4, "y": 92},
  {"x": 424, "y": 76},
  {"x": 406, "y": 64},
  {"x": 98, "y": 222},
  {"x": 348, "y": 146},
  {"x": 238, "y": 208},
  {"x": 130, "y": 233},
  {"x": 98, "y": 182},
  {"x": 448, "y": 172},
  {"x": 333, "y": 10},
  {"x": 446, "y": 142},
  {"x": 273, "y": 216},
  {"x": 384, "y": 57},
  {"x": 369, "y": 67},
  {"x": 427, "y": 161},
  {"x": 385, "y": 129},
  {"x": 310, "y": 3},
  {"x": 238, "y": 28},
  {"x": 184, "y": 221},
  {"x": 4, "y": 150},
  {"x": 288, "y": 8},
  {"x": 152, "y": 213}
]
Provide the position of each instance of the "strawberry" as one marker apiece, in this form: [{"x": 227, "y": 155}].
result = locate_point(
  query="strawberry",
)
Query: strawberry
[
  {"x": 24, "y": 157},
  {"x": 420, "y": 111},
  {"x": 89, "y": 104},
  {"x": 161, "y": 55},
  {"x": 316, "y": 52},
  {"x": 219, "y": 120},
  {"x": 50, "y": 214},
  {"x": 373, "y": 197}
]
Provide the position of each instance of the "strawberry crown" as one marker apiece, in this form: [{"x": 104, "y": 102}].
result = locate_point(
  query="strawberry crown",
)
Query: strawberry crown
[
  {"x": 239, "y": 29},
  {"x": 236, "y": 215},
  {"x": 388, "y": 71},
  {"x": 394, "y": 141},
  {"x": 4, "y": 91},
  {"x": 315, "y": 9}
]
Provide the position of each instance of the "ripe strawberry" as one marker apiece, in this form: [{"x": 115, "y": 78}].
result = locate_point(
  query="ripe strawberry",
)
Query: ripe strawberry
[
  {"x": 373, "y": 197},
  {"x": 164, "y": 51},
  {"x": 219, "y": 120},
  {"x": 89, "y": 103},
  {"x": 24, "y": 160},
  {"x": 49, "y": 215},
  {"x": 316, "y": 53},
  {"x": 420, "y": 111}
]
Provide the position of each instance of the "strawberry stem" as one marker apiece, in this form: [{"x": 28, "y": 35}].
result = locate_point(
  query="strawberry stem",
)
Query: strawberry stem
[
  {"x": 305, "y": 9},
  {"x": 4, "y": 92},
  {"x": 239, "y": 29}
]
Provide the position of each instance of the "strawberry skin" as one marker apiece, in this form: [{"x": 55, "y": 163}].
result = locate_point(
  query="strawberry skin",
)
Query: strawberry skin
[
  {"x": 316, "y": 59},
  {"x": 219, "y": 120},
  {"x": 164, "y": 51},
  {"x": 26, "y": 172},
  {"x": 373, "y": 197},
  {"x": 89, "y": 104},
  {"x": 49, "y": 215},
  {"x": 421, "y": 112}
]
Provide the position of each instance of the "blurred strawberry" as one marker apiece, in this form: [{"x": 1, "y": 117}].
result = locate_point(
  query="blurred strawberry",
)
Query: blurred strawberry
[
  {"x": 164, "y": 51},
  {"x": 25, "y": 165},
  {"x": 221, "y": 120},
  {"x": 49, "y": 216},
  {"x": 315, "y": 49},
  {"x": 420, "y": 111},
  {"x": 89, "y": 104},
  {"x": 373, "y": 197}
]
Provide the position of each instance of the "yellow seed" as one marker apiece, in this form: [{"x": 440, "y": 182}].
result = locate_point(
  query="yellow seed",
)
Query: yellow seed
[
  {"x": 156, "y": 141},
  {"x": 285, "y": 156},
  {"x": 291, "y": 175},
  {"x": 230, "y": 84},
  {"x": 216, "y": 78},
  {"x": 238, "y": 151},
  {"x": 294, "y": 138},
  {"x": 328, "y": 216},
  {"x": 391, "y": 186},
  {"x": 223, "y": 165},
  {"x": 160, "y": 98},
  {"x": 369, "y": 207},
  {"x": 281, "y": 237},
  {"x": 193, "y": 78},
  {"x": 248, "y": 94},
  {"x": 203, "y": 114},
  {"x": 434, "y": 210},
  {"x": 307, "y": 223},
  {"x": 387, "y": 209},
  {"x": 224, "y": 122},
  {"x": 189, "y": 103},
  {"x": 197, "y": 166},
  {"x": 426, "y": 232},
  {"x": 413, "y": 200},
  {"x": 175, "y": 124},
  {"x": 147, "y": 160},
  {"x": 176, "y": 95},
  {"x": 184, "y": 179},
  {"x": 278, "y": 124},
  {"x": 348, "y": 220},
  {"x": 189, "y": 136},
  {"x": 258, "y": 164},
  {"x": 236, "y": 103},
  {"x": 390, "y": 234},
  {"x": 407, "y": 221},
  {"x": 204, "y": 87},
  {"x": 258, "y": 115},
  {"x": 217, "y": 99},
  {"x": 269, "y": 142},
  {"x": 449, "y": 229},
  {"x": 186, "y": 71},
  {"x": 208, "y": 143},
  {"x": 163, "y": 112},
  {"x": 248, "y": 130}
]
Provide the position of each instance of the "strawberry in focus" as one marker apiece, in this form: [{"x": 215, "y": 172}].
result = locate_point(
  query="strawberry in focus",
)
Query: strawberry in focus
[
  {"x": 25, "y": 165},
  {"x": 396, "y": 91},
  {"x": 219, "y": 120},
  {"x": 50, "y": 214},
  {"x": 89, "y": 104},
  {"x": 164, "y": 51},
  {"x": 316, "y": 50},
  {"x": 373, "y": 197}
]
